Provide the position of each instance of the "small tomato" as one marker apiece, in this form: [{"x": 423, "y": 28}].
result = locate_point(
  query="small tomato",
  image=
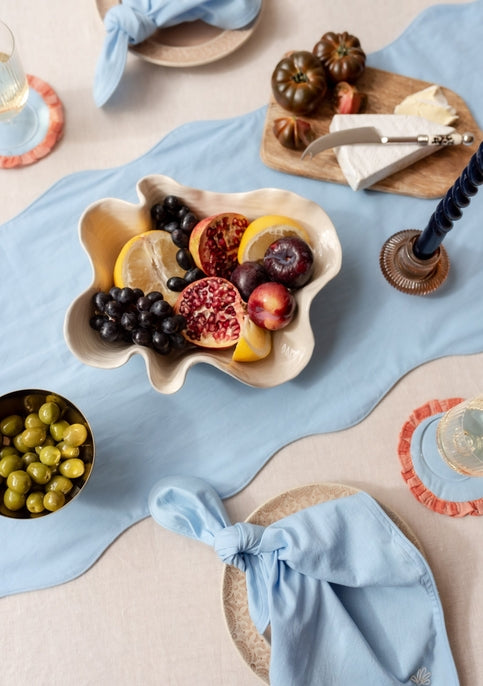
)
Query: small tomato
[{"x": 293, "y": 133}]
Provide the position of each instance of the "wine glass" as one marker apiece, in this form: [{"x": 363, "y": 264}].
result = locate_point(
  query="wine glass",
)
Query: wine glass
[
  {"x": 18, "y": 121},
  {"x": 459, "y": 436}
]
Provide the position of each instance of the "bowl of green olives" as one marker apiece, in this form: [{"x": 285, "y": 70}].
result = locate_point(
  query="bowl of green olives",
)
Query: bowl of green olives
[{"x": 46, "y": 453}]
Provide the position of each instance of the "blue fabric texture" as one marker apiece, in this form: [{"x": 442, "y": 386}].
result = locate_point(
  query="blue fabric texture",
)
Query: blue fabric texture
[
  {"x": 368, "y": 335},
  {"x": 348, "y": 598},
  {"x": 132, "y": 21}
]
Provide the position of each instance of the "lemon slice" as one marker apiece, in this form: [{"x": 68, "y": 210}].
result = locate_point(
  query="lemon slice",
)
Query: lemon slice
[
  {"x": 254, "y": 344},
  {"x": 147, "y": 261},
  {"x": 263, "y": 231}
]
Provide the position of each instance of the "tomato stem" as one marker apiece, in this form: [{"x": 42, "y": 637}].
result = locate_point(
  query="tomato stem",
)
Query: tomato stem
[{"x": 300, "y": 77}]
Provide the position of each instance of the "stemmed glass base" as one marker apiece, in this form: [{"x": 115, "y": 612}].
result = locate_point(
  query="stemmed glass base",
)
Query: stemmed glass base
[
  {"x": 16, "y": 134},
  {"x": 431, "y": 480},
  {"x": 427, "y": 447}
]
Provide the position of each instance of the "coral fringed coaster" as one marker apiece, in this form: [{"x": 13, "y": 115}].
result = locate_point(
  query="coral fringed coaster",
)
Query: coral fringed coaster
[
  {"x": 47, "y": 111},
  {"x": 431, "y": 481}
]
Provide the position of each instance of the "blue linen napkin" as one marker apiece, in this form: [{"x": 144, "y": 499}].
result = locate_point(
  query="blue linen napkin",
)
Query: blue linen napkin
[
  {"x": 348, "y": 598},
  {"x": 132, "y": 21},
  {"x": 368, "y": 335}
]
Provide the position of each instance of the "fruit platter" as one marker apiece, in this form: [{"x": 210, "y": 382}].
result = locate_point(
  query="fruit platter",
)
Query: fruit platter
[{"x": 188, "y": 276}]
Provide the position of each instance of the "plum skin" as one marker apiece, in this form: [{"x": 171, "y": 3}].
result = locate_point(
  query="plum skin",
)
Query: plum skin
[
  {"x": 247, "y": 276},
  {"x": 271, "y": 306},
  {"x": 290, "y": 261}
]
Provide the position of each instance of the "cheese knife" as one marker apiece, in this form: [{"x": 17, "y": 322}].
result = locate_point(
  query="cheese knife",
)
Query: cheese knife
[{"x": 369, "y": 134}]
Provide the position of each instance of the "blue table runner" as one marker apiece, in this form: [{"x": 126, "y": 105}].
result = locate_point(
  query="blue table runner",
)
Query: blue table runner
[{"x": 368, "y": 335}]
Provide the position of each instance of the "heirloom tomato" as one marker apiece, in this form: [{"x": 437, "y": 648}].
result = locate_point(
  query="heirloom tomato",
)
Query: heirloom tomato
[
  {"x": 341, "y": 54},
  {"x": 299, "y": 83}
]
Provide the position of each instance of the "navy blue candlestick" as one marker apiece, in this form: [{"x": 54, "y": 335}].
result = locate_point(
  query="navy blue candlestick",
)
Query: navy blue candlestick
[
  {"x": 449, "y": 209},
  {"x": 415, "y": 261}
]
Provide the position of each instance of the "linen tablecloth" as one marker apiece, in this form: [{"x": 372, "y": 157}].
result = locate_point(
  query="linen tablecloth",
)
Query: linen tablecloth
[{"x": 368, "y": 335}]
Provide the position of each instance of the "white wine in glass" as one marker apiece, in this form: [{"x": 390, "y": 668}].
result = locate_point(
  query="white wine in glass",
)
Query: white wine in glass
[
  {"x": 18, "y": 122},
  {"x": 459, "y": 436}
]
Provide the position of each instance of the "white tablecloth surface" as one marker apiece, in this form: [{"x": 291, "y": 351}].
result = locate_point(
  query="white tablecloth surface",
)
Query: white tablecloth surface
[{"x": 149, "y": 612}]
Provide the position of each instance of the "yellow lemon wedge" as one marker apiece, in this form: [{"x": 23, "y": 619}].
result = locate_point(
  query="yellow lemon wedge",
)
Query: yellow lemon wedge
[
  {"x": 254, "y": 343},
  {"x": 263, "y": 231},
  {"x": 147, "y": 261}
]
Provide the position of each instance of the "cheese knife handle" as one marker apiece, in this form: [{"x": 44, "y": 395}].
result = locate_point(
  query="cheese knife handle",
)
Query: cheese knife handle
[{"x": 445, "y": 139}]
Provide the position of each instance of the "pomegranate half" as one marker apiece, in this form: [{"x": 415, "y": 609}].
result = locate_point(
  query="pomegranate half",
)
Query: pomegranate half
[
  {"x": 214, "y": 312},
  {"x": 214, "y": 243}
]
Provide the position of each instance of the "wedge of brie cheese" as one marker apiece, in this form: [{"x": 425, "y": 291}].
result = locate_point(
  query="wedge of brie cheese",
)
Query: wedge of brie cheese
[
  {"x": 364, "y": 165},
  {"x": 430, "y": 103}
]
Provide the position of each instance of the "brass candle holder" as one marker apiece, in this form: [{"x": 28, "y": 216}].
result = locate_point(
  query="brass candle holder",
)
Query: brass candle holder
[{"x": 414, "y": 261}]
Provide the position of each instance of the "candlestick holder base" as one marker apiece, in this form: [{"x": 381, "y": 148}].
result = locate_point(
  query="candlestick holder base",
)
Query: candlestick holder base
[{"x": 403, "y": 270}]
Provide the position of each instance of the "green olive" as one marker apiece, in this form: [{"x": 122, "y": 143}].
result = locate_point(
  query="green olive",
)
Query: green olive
[
  {"x": 19, "y": 481},
  {"x": 49, "y": 412},
  {"x": 68, "y": 450},
  {"x": 13, "y": 500},
  {"x": 10, "y": 463},
  {"x": 11, "y": 425},
  {"x": 57, "y": 429},
  {"x": 60, "y": 483},
  {"x": 50, "y": 455},
  {"x": 54, "y": 500},
  {"x": 72, "y": 468},
  {"x": 34, "y": 436},
  {"x": 48, "y": 441},
  {"x": 39, "y": 472},
  {"x": 35, "y": 502},
  {"x": 33, "y": 421},
  {"x": 53, "y": 398},
  {"x": 75, "y": 434},
  {"x": 33, "y": 402},
  {"x": 19, "y": 444},
  {"x": 8, "y": 450},
  {"x": 28, "y": 458}
]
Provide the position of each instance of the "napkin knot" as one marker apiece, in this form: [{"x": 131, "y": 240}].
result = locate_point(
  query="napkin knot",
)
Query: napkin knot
[
  {"x": 136, "y": 24},
  {"x": 329, "y": 580},
  {"x": 132, "y": 21},
  {"x": 234, "y": 543}
]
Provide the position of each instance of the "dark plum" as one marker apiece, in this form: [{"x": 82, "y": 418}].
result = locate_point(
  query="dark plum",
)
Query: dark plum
[
  {"x": 289, "y": 261},
  {"x": 247, "y": 276}
]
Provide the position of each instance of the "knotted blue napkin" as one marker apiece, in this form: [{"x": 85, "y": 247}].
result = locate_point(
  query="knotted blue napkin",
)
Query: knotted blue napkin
[
  {"x": 133, "y": 21},
  {"x": 350, "y": 601}
]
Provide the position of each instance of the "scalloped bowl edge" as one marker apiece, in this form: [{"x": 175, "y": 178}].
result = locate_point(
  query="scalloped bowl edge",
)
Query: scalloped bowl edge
[{"x": 108, "y": 223}]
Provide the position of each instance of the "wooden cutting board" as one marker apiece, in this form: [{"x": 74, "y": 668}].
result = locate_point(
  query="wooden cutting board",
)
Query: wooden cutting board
[{"x": 431, "y": 177}]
